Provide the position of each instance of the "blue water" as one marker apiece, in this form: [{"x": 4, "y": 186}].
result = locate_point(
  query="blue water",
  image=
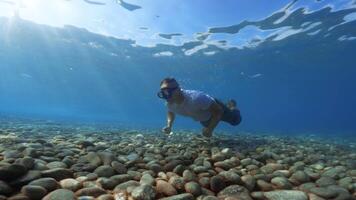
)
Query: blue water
[{"x": 298, "y": 79}]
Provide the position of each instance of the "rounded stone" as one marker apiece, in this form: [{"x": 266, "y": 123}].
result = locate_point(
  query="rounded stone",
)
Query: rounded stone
[
  {"x": 104, "y": 171},
  {"x": 106, "y": 197},
  {"x": 60, "y": 194},
  {"x": 11, "y": 172},
  {"x": 325, "y": 181},
  {"x": 162, "y": 187},
  {"x": 106, "y": 183},
  {"x": 324, "y": 192},
  {"x": 147, "y": 179},
  {"x": 281, "y": 183},
  {"x": 58, "y": 173},
  {"x": 5, "y": 189},
  {"x": 299, "y": 177},
  {"x": 204, "y": 182},
  {"x": 119, "y": 167},
  {"x": 34, "y": 192},
  {"x": 177, "y": 182},
  {"x": 193, "y": 188},
  {"x": 56, "y": 164},
  {"x": 249, "y": 182},
  {"x": 285, "y": 194},
  {"x": 234, "y": 192},
  {"x": 217, "y": 183},
  {"x": 25, "y": 179},
  {"x": 125, "y": 185},
  {"x": 231, "y": 177},
  {"x": 91, "y": 191},
  {"x": 70, "y": 184},
  {"x": 264, "y": 186},
  {"x": 144, "y": 192},
  {"x": 49, "y": 184}
]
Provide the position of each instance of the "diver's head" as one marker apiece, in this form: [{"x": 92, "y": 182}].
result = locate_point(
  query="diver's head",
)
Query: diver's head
[{"x": 169, "y": 90}]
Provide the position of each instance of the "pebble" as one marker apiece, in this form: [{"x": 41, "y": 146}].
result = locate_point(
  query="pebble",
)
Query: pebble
[
  {"x": 5, "y": 189},
  {"x": 285, "y": 195},
  {"x": 217, "y": 183},
  {"x": 324, "y": 192},
  {"x": 34, "y": 192},
  {"x": 60, "y": 194},
  {"x": 249, "y": 182},
  {"x": 184, "y": 196},
  {"x": 49, "y": 184},
  {"x": 104, "y": 171},
  {"x": 193, "y": 188},
  {"x": 91, "y": 191},
  {"x": 147, "y": 179},
  {"x": 70, "y": 184},
  {"x": 144, "y": 192},
  {"x": 234, "y": 192},
  {"x": 163, "y": 187},
  {"x": 58, "y": 173},
  {"x": 281, "y": 183}
]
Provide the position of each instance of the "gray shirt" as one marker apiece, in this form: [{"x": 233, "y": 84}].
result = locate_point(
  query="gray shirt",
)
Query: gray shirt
[{"x": 195, "y": 105}]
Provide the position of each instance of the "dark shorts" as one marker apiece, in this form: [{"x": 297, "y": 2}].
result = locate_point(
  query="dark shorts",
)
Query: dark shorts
[{"x": 232, "y": 117}]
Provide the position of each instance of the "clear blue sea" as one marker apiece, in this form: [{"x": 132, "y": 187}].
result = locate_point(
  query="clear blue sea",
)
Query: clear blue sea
[{"x": 289, "y": 65}]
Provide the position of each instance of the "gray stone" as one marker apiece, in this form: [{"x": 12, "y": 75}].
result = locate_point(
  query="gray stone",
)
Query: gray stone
[
  {"x": 285, "y": 195},
  {"x": 28, "y": 162},
  {"x": 235, "y": 191},
  {"x": 178, "y": 182},
  {"x": 49, "y": 184},
  {"x": 60, "y": 194},
  {"x": 133, "y": 157},
  {"x": 231, "y": 177},
  {"x": 144, "y": 192},
  {"x": 56, "y": 164},
  {"x": 58, "y": 173},
  {"x": 106, "y": 183},
  {"x": 104, "y": 171},
  {"x": 70, "y": 184},
  {"x": 281, "y": 183},
  {"x": 249, "y": 182},
  {"x": 193, "y": 188},
  {"x": 11, "y": 172},
  {"x": 121, "y": 178},
  {"x": 325, "y": 181},
  {"x": 147, "y": 179},
  {"x": 106, "y": 157},
  {"x": 91, "y": 191},
  {"x": 119, "y": 167},
  {"x": 217, "y": 183},
  {"x": 324, "y": 192},
  {"x": 184, "y": 196},
  {"x": 334, "y": 172},
  {"x": 299, "y": 177},
  {"x": 125, "y": 185},
  {"x": 34, "y": 192},
  {"x": 28, "y": 177},
  {"x": 5, "y": 189}
]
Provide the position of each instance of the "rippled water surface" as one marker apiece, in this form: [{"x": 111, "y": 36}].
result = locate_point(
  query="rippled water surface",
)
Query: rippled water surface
[{"x": 290, "y": 65}]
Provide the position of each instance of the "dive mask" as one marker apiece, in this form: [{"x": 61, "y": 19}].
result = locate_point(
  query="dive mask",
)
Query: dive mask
[{"x": 166, "y": 93}]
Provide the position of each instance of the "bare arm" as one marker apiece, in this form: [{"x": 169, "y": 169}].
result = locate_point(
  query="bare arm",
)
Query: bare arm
[
  {"x": 170, "y": 119},
  {"x": 216, "y": 113}
]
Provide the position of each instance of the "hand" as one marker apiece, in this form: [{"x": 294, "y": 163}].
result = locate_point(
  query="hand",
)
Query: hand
[
  {"x": 167, "y": 130},
  {"x": 207, "y": 132}
]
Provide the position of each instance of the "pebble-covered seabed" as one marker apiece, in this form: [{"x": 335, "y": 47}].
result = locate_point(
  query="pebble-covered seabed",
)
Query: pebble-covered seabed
[{"x": 45, "y": 160}]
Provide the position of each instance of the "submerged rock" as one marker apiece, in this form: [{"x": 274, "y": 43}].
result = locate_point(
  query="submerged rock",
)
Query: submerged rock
[
  {"x": 60, "y": 194},
  {"x": 144, "y": 192},
  {"x": 285, "y": 195}
]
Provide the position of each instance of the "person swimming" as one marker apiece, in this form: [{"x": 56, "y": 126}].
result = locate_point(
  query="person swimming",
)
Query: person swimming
[{"x": 201, "y": 107}]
